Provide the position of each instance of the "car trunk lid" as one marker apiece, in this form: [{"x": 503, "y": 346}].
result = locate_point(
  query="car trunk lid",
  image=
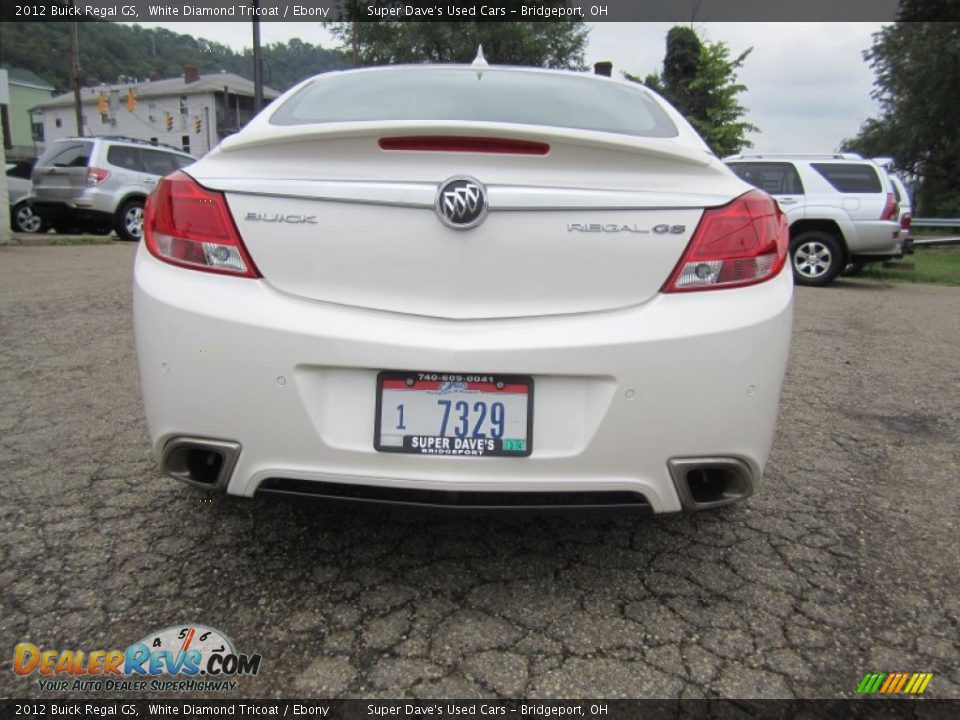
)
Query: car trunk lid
[{"x": 593, "y": 224}]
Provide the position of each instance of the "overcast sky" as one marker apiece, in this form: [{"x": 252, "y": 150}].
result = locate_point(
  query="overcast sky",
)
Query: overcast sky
[{"x": 808, "y": 85}]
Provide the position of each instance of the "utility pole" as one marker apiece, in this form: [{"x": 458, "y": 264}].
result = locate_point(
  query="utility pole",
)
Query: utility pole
[
  {"x": 206, "y": 122},
  {"x": 257, "y": 64},
  {"x": 355, "y": 42},
  {"x": 75, "y": 74}
]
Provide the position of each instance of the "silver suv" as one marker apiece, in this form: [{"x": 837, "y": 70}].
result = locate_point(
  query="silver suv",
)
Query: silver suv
[
  {"x": 841, "y": 209},
  {"x": 99, "y": 184}
]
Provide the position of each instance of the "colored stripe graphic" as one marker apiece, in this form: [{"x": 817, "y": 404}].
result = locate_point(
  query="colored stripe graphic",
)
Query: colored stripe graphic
[
  {"x": 891, "y": 681},
  {"x": 927, "y": 677},
  {"x": 870, "y": 683},
  {"x": 894, "y": 683}
]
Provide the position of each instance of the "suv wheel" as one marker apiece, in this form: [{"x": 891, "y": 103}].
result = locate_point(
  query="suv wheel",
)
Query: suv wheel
[
  {"x": 817, "y": 258},
  {"x": 25, "y": 220},
  {"x": 130, "y": 221}
]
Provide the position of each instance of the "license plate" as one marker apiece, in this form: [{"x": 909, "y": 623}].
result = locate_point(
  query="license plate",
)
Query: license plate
[{"x": 460, "y": 415}]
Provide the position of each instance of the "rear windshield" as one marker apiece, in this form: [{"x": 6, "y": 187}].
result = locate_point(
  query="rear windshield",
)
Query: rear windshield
[
  {"x": 850, "y": 178},
  {"x": 529, "y": 98},
  {"x": 66, "y": 153}
]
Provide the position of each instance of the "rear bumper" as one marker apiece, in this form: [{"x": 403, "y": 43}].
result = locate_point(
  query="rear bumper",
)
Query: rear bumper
[
  {"x": 880, "y": 237},
  {"x": 618, "y": 394}
]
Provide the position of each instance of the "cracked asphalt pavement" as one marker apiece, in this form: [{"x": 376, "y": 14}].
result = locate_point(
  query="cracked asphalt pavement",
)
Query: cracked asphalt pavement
[{"x": 846, "y": 562}]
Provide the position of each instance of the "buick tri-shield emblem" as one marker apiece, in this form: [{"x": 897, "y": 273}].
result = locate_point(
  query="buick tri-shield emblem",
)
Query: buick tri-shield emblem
[{"x": 461, "y": 203}]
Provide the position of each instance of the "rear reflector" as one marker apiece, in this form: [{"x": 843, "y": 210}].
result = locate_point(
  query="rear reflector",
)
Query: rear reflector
[
  {"x": 739, "y": 244},
  {"x": 187, "y": 225},
  {"x": 456, "y": 143}
]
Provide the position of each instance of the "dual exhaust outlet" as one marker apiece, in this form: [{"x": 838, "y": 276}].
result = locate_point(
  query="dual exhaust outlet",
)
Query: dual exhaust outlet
[
  {"x": 701, "y": 483},
  {"x": 706, "y": 483},
  {"x": 200, "y": 461}
]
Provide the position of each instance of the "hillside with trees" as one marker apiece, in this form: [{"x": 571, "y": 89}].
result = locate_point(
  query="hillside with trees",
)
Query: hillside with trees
[{"x": 110, "y": 50}]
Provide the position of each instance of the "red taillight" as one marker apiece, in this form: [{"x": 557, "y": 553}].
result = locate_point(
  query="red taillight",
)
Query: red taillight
[
  {"x": 457, "y": 143},
  {"x": 905, "y": 221},
  {"x": 95, "y": 176},
  {"x": 890, "y": 208},
  {"x": 739, "y": 244},
  {"x": 187, "y": 225}
]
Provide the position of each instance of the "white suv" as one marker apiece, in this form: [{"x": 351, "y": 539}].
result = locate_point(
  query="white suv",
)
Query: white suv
[
  {"x": 98, "y": 184},
  {"x": 841, "y": 209}
]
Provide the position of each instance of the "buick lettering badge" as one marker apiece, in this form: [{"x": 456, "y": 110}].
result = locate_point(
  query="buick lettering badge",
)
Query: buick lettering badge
[{"x": 461, "y": 203}]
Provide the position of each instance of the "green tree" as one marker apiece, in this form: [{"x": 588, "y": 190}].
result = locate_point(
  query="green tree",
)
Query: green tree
[
  {"x": 700, "y": 80},
  {"x": 917, "y": 66},
  {"x": 554, "y": 44}
]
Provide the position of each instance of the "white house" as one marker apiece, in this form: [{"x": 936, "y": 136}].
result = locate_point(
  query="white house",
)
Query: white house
[{"x": 193, "y": 112}]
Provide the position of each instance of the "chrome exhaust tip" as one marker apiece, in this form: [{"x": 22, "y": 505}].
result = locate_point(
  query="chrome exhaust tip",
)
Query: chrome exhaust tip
[
  {"x": 201, "y": 462},
  {"x": 705, "y": 483}
]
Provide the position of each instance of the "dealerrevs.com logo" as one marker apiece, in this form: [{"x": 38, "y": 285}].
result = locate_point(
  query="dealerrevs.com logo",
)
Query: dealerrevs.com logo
[{"x": 183, "y": 658}]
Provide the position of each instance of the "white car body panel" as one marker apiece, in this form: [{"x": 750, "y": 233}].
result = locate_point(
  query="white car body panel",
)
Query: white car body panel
[
  {"x": 485, "y": 273},
  {"x": 626, "y": 377},
  {"x": 586, "y": 184},
  {"x": 616, "y": 393}
]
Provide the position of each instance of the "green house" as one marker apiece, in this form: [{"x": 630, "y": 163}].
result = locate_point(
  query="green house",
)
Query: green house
[{"x": 22, "y": 134}]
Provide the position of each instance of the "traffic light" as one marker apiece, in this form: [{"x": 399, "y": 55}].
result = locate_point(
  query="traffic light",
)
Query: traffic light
[
  {"x": 102, "y": 104},
  {"x": 131, "y": 101},
  {"x": 197, "y": 124},
  {"x": 169, "y": 122}
]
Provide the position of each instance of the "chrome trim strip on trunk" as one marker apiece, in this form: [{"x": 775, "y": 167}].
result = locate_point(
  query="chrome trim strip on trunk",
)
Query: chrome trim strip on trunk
[{"x": 501, "y": 197}]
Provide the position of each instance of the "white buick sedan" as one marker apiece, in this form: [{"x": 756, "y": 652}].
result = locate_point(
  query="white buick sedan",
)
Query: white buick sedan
[{"x": 467, "y": 286}]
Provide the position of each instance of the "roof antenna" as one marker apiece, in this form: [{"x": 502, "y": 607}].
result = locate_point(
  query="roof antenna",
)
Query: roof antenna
[{"x": 479, "y": 61}]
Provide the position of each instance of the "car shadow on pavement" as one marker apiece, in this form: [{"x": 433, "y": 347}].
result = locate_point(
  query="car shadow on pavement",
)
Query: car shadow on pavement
[{"x": 858, "y": 284}]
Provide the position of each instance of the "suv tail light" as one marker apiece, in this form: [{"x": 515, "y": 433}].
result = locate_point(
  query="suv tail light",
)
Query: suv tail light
[
  {"x": 905, "y": 221},
  {"x": 95, "y": 176},
  {"x": 739, "y": 244},
  {"x": 890, "y": 208},
  {"x": 185, "y": 224}
]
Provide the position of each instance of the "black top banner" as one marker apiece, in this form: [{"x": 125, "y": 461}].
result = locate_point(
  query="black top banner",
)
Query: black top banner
[{"x": 484, "y": 11}]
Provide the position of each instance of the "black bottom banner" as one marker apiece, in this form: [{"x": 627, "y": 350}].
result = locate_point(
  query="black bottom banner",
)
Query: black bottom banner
[{"x": 512, "y": 709}]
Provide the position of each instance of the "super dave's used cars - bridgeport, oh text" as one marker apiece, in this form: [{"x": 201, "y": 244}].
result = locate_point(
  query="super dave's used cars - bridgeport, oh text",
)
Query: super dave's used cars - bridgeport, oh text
[{"x": 468, "y": 286}]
